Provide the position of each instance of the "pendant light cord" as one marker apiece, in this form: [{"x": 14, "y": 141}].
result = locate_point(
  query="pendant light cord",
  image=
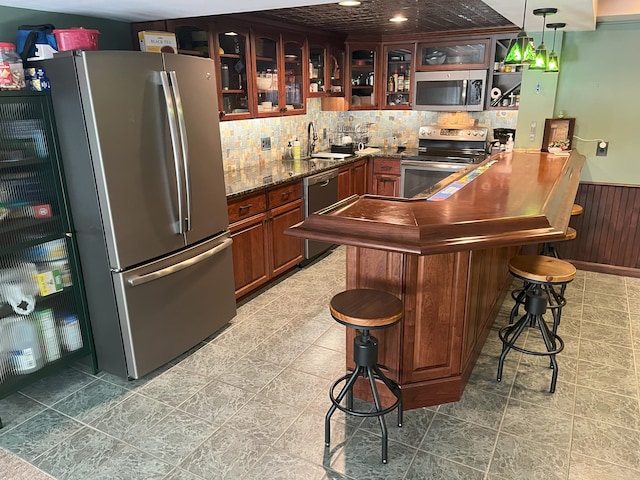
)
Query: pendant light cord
[
  {"x": 524, "y": 13},
  {"x": 544, "y": 20}
]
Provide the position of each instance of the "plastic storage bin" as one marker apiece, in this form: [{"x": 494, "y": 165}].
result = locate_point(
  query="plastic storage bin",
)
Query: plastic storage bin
[{"x": 77, "y": 39}]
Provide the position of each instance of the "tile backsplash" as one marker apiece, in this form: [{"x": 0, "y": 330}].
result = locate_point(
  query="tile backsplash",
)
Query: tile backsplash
[{"x": 241, "y": 139}]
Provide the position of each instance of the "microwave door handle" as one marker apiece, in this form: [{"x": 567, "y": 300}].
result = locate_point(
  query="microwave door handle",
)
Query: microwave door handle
[
  {"x": 173, "y": 131},
  {"x": 184, "y": 144},
  {"x": 463, "y": 93}
]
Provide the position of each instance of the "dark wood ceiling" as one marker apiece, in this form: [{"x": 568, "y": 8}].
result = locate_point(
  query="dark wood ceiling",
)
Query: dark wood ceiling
[{"x": 372, "y": 17}]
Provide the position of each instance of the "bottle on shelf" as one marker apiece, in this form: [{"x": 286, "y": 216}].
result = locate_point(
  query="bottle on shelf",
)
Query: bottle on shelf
[
  {"x": 391, "y": 84},
  {"x": 395, "y": 80},
  {"x": 400, "y": 85},
  {"x": 407, "y": 80}
]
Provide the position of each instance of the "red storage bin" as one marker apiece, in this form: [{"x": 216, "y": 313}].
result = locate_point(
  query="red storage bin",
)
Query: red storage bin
[{"x": 77, "y": 39}]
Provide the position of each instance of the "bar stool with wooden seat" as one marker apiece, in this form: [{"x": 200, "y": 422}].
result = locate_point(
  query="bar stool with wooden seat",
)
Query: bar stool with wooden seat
[
  {"x": 365, "y": 310},
  {"x": 540, "y": 274},
  {"x": 549, "y": 248}
]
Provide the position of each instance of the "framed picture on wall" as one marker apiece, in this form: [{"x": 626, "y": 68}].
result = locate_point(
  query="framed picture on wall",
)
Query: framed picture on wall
[{"x": 558, "y": 133}]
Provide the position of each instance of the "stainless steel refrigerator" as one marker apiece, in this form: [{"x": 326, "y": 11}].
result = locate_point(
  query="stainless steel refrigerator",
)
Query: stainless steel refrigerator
[{"x": 143, "y": 164}]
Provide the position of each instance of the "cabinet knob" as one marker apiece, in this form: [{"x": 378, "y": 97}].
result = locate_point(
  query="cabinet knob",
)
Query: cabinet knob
[
  {"x": 221, "y": 114},
  {"x": 68, "y": 234}
]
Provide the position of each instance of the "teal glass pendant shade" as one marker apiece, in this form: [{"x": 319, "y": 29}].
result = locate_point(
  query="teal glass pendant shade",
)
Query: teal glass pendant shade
[
  {"x": 542, "y": 58},
  {"x": 521, "y": 50},
  {"x": 553, "y": 65},
  {"x": 542, "y": 54}
]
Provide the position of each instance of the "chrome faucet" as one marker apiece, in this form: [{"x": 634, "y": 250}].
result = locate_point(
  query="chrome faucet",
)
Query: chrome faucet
[{"x": 311, "y": 138}]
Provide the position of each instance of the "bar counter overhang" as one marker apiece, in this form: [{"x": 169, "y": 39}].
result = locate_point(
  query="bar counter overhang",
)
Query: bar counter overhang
[{"x": 447, "y": 260}]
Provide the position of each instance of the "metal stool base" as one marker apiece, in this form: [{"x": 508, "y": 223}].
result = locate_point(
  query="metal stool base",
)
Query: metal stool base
[
  {"x": 370, "y": 371},
  {"x": 510, "y": 333}
]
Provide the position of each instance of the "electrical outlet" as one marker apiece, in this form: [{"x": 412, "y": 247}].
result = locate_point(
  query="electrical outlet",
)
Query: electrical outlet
[
  {"x": 265, "y": 143},
  {"x": 601, "y": 150}
]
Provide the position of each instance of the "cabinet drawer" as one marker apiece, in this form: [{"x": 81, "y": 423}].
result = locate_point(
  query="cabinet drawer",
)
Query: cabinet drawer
[
  {"x": 284, "y": 194},
  {"x": 246, "y": 206},
  {"x": 389, "y": 166}
]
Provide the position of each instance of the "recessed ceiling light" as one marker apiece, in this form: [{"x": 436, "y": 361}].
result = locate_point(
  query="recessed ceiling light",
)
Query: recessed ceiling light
[
  {"x": 349, "y": 3},
  {"x": 230, "y": 34},
  {"x": 398, "y": 19}
]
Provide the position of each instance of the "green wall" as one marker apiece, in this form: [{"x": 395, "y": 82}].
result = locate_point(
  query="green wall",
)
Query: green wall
[
  {"x": 600, "y": 86},
  {"x": 113, "y": 35}
]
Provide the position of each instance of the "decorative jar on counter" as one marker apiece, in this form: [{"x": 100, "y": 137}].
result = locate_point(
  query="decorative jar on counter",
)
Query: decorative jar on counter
[{"x": 11, "y": 69}]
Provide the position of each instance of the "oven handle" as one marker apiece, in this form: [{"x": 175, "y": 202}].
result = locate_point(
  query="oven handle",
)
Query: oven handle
[{"x": 433, "y": 166}]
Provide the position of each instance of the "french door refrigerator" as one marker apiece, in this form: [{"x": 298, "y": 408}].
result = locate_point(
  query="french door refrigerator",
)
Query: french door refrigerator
[{"x": 142, "y": 158}]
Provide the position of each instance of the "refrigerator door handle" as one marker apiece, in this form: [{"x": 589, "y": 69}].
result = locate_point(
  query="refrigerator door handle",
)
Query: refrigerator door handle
[
  {"x": 173, "y": 130},
  {"x": 149, "y": 277},
  {"x": 184, "y": 145}
]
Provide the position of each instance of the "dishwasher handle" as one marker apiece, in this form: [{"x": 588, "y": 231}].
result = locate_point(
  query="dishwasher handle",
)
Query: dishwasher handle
[{"x": 323, "y": 178}]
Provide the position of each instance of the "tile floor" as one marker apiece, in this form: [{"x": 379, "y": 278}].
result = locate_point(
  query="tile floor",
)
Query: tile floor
[{"x": 249, "y": 404}]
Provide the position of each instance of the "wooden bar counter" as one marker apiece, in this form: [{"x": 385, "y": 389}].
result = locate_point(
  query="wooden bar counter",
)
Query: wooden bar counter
[{"x": 447, "y": 261}]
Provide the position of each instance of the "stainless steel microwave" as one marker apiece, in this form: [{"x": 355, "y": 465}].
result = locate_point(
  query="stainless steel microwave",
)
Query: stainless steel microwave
[{"x": 453, "y": 90}]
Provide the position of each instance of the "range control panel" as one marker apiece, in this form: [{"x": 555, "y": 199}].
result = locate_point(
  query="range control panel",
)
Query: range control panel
[{"x": 434, "y": 132}]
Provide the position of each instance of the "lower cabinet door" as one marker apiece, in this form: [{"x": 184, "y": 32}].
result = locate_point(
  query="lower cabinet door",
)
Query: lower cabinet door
[
  {"x": 387, "y": 185},
  {"x": 250, "y": 253},
  {"x": 286, "y": 251}
]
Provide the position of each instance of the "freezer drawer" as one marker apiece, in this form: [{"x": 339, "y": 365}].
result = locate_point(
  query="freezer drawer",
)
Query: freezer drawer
[{"x": 172, "y": 304}]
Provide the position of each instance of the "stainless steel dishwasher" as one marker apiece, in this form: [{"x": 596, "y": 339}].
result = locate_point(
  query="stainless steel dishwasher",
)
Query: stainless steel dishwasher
[{"x": 320, "y": 191}]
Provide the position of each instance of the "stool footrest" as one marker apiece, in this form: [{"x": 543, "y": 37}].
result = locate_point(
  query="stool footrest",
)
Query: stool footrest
[{"x": 374, "y": 413}]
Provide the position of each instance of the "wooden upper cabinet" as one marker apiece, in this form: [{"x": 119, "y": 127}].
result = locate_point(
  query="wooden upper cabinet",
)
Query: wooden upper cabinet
[
  {"x": 232, "y": 56},
  {"x": 281, "y": 73},
  {"x": 398, "y": 72},
  {"x": 458, "y": 54},
  {"x": 362, "y": 75},
  {"x": 194, "y": 36},
  {"x": 326, "y": 67},
  {"x": 295, "y": 75},
  {"x": 265, "y": 59}
]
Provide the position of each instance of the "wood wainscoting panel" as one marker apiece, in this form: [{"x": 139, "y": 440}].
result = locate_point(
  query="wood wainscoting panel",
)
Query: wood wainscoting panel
[{"x": 608, "y": 229}]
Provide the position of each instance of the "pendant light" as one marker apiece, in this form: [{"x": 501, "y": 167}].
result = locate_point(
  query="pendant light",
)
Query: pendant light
[
  {"x": 521, "y": 48},
  {"x": 553, "y": 65},
  {"x": 542, "y": 54}
]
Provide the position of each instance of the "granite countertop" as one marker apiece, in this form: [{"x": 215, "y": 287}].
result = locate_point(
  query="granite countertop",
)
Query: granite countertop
[{"x": 261, "y": 176}]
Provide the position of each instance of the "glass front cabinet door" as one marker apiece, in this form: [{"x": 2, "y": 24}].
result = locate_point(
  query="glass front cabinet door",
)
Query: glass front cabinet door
[
  {"x": 398, "y": 71},
  {"x": 362, "y": 69},
  {"x": 266, "y": 53},
  {"x": 454, "y": 55},
  {"x": 317, "y": 70},
  {"x": 43, "y": 320},
  {"x": 294, "y": 76},
  {"x": 232, "y": 46},
  {"x": 192, "y": 36}
]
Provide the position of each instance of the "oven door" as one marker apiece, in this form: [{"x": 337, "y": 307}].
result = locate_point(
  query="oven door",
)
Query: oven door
[
  {"x": 416, "y": 176},
  {"x": 461, "y": 90}
]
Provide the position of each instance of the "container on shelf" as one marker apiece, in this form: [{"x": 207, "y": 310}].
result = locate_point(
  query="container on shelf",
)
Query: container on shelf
[
  {"x": 25, "y": 355},
  {"x": 77, "y": 39},
  {"x": 11, "y": 68}
]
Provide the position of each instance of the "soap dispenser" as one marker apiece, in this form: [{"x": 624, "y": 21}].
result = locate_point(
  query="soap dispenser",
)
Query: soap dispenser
[
  {"x": 288, "y": 151},
  {"x": 509, "y": 145},
  {"x": 296, "y": 149}
]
